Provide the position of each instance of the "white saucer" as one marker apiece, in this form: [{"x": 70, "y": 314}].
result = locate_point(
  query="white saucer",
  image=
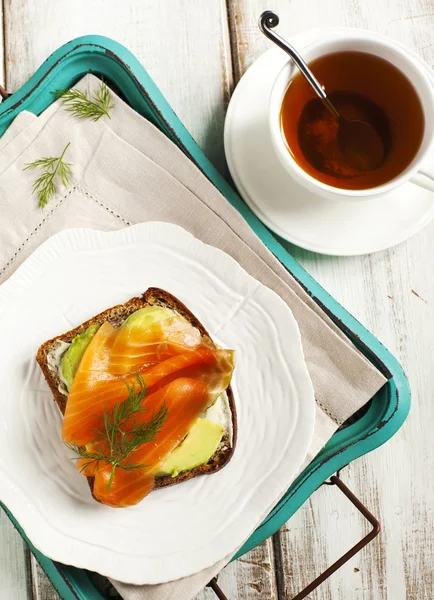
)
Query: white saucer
[{"x": 342, "y": 227}]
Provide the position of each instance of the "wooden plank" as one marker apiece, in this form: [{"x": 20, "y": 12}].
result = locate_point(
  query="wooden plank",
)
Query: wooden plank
[
  {"x": 13, "y": 571},
  {"x": 185, "y": 48},
  {"x": 407, "y": 21},
  {"x": 41, "y": 588},
  {"x": 249, "y": 578},
  {"x": 391, "y": 293}
]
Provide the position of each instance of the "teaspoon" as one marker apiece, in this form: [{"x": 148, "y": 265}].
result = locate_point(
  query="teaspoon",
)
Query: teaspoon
[{"x": 359, "y": 141}]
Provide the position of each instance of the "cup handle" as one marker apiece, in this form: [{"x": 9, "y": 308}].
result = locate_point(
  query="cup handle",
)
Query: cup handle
[{"x": 424, "y": 177}]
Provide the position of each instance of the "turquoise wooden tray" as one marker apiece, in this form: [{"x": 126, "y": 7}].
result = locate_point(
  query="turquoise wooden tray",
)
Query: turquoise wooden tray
[{"x": 387, "y": 410}]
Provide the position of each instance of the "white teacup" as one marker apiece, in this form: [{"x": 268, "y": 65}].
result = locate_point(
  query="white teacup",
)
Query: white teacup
[{"x": 417, "y": 171}]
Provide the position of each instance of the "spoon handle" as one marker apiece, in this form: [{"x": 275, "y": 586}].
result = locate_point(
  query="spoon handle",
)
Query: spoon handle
[{"x": 267, "y": 21}]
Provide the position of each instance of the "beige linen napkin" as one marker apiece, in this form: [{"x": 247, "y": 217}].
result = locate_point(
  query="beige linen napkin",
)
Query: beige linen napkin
[{"x": 126, "y": 171}]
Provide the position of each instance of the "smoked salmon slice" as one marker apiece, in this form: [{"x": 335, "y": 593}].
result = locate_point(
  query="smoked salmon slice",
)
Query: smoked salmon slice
[
  {"x": 148, "y": 338},
  {"x": 93, "y": 392},
  {"x": 185, "y": 400},
  {"x": 81, "y": 415},
  {"x": 179, "y": 370},
  {"x": 119, "y": 352}
]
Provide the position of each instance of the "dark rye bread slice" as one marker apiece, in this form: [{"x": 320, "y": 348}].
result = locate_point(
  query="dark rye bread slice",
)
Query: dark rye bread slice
[{"x": 116, "y": 316}]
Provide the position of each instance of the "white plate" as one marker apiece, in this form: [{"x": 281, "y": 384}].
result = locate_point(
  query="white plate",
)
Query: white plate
[
  {"x": 176, "y": 531},
  {"x": 338, "y": 227}
]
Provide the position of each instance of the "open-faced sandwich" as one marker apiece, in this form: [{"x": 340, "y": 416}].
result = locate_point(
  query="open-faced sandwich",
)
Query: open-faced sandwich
[{"x": 145, "y": 395}]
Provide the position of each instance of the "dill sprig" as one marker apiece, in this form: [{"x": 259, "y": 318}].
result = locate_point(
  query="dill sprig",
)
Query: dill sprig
[
  {"x": 80, "y": 105},
  {"x": 121, "y": 433},
  {"x": 44, "y": 186}
]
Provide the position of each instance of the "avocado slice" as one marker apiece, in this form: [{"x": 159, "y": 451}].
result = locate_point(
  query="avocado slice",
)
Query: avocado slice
[
  {"x": 72, "y": 357},
  {"x": 196, "y": 449},
  {"x": 147, "y": 316}
]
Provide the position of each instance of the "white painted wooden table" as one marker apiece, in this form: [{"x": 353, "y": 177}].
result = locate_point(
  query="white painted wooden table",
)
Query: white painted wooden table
[{"x": 196, "y": 51}]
